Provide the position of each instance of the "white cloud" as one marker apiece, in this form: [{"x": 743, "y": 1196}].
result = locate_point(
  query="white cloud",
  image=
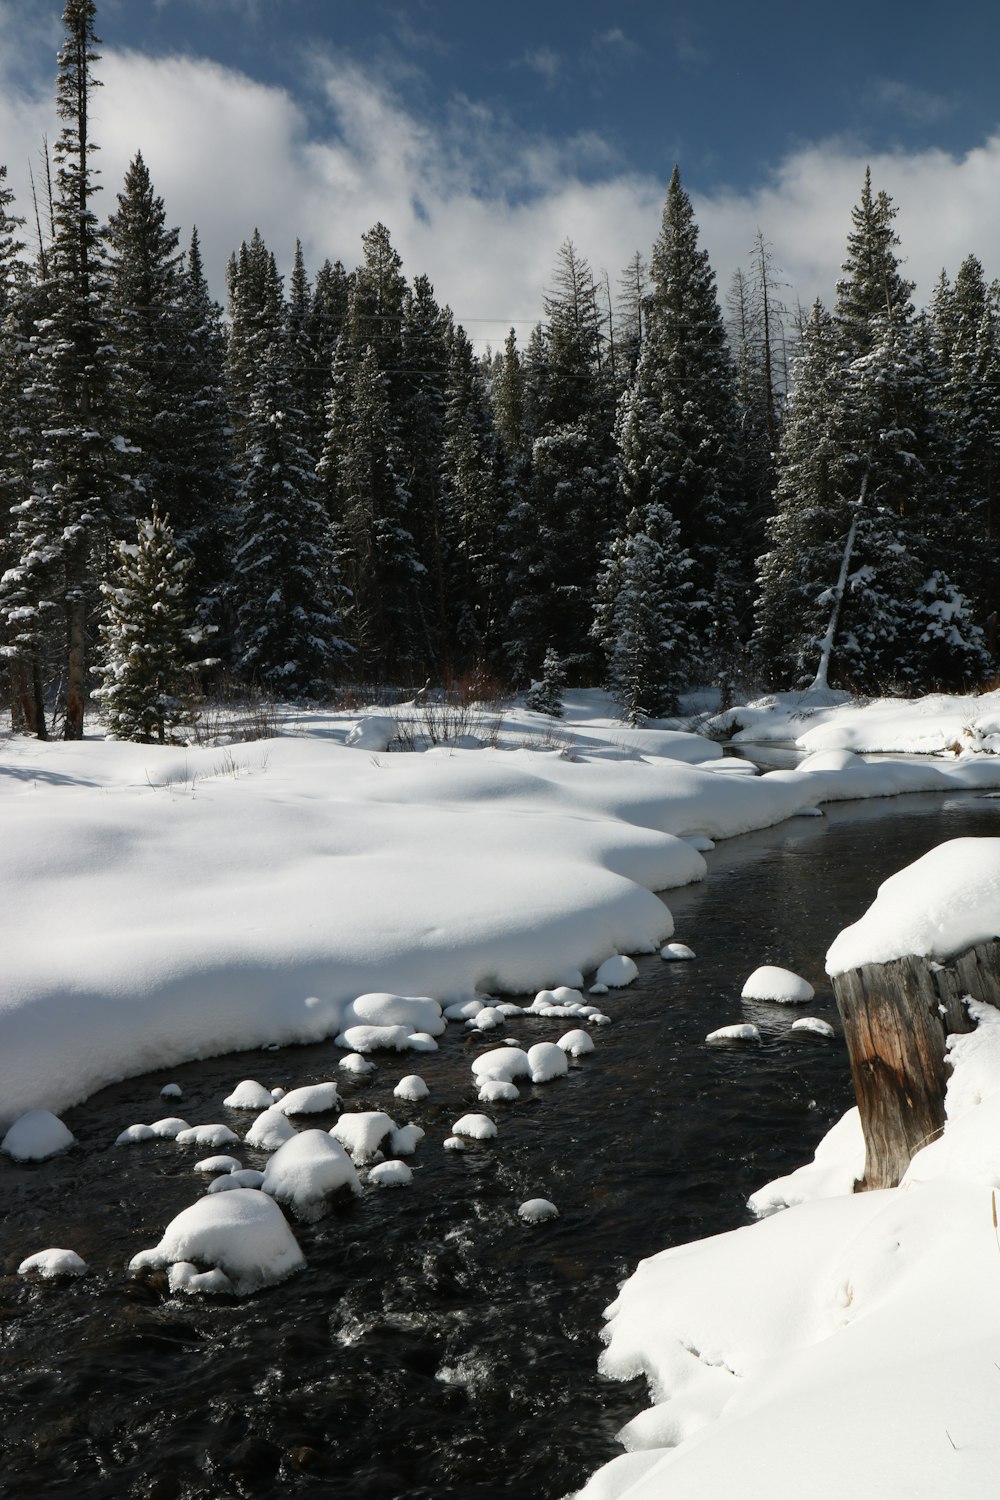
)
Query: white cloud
[{"x": 477, "y": 204}]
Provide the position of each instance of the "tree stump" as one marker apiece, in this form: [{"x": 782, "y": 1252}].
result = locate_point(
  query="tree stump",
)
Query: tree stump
[{"x": 896, "y": 1017}]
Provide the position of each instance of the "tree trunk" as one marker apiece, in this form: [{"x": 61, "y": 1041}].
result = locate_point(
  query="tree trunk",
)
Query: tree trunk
[{"x": 896, "y": 1018}]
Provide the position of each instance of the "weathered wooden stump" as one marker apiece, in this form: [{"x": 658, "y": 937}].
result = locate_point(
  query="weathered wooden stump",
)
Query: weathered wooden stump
[{"x": 896, "y": 1017}]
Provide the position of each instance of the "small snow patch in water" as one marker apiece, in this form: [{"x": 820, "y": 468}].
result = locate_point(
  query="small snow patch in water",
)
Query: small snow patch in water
[
  {"x": 169, "y": 1128},
  {"x": 171, "y": 1091},
  {"x": 356, "y": 1064},
  {"x": 815, "y": 1024},
  {"x": 675, "y": 952},
  {"x": 218, "y": 1164},
  {"x": 245, "y": 1177},
  {"x": 742, "y": 1032},
  {"x": 454, "y": 1143},
  {"x": 207, "y": 1137},
  {"x": 135, "y": 1133}
]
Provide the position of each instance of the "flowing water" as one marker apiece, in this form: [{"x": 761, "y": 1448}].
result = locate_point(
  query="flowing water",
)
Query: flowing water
[{"x": 437, "y": 1346}]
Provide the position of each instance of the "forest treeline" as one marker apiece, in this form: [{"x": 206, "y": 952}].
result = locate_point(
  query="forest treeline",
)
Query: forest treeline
[{"x": 325, "y": 484}]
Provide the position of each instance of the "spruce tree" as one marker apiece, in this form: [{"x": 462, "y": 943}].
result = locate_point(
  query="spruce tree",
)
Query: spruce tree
[
  {"x": 645, "y": 619},
  {"x": 677, "y": 426},
  {"x": 546, "y": 695},
  {"x": 64, "y": 526},
  {"x": 147, "y": 639}
]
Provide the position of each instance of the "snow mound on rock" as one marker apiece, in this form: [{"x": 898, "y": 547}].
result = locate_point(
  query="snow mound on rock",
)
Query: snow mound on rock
[
  {"x": 547, "y": 1060},
  {"x": 306, "y": 1171},
  {"x": 311, "y": 1099},
  {"x": 411, "y": 1088},
  {"x": 241, "y": 1234},
  {"x": 741, "y": 1032},
  {"x": 362, "y": 1132},
  {"x": 474, "y": 1127},
  {"x": 779, "y": 985},
  {"x": 391, "y": 1174},
  {"x": 616, "y": 972},
  {"x": 537, "y": 1210},
  {"x": 576, "y": 1043},
  {"x": 270, "y": 1130},
  {"x": 249, "y": 1095},
  {"x": 207, "y": 1137},
  {"x": 815, "y": 1024},
  {"x": 418, "y": 1012},
  {"x": 36, "y": 1135},
  {"x": 49, "y": 1263}
]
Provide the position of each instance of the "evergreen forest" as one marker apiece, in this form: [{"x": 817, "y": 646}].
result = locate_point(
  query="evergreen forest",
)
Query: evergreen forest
[{"x": 323, "y": 488}]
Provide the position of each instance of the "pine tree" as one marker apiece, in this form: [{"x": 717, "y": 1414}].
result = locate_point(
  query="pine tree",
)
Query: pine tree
[
  {"x": 558, "y": 524},
  {"x": 644, "y": 618},
  {"x": 286, "y": 585},
  {"x": 147, "y": 638},
  {"x": 16, "y": 445},
  {"x": 546, "y": 695},
  {"x": 63, "y": 528},
  {"x": 145, "y": 271},
  {"x": 678, "y": 420}
]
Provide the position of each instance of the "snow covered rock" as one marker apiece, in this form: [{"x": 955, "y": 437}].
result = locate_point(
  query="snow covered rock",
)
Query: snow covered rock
[
  {"x": 270, "y": 1130},
  {"x": 422, "y": 1041},
  {"x": 412, "y": 1088},
  {"x": 475, "y": 1127},
  {"x": 242, "y": 1234},
  {"x": 35, "y": 1136},
  {"x": 537, "y": 1210},
  {"x": 249, "y": 1095},
  {"x": 135, "y": 1133},
  {"x": 504, "y": 1063},
  {"x": 454, "y": 1143},
  {"x": 547, "y": 1060},
  {"x": 356, "y": 1065},
  {"x": 171, "y": 1091},
  {"x": 245, "y": 1177},
  {"x": 675, "y": 952},
  {"x": 391, "y": 1174},
  {"x": 498, "y": 1090},
  {"x": 576, "y": 1043},
  {"x": 207, "y": 1137},
  {"x": 779, "y": 985},
  {"x": 418, "y": 1012},
  {"x": 405, "y": 1139},
  {"x": 616, "y": 972},
  {"x": 362, "y": 1132},
  {"x": 375, "y": 1038},
  {"x": 51, "y": 1263},
  {"x": 310, "y": 1099},
  {"x": 219, "y": 1164},
  {"x": 169, "y": 1128},
  {"x": 815, "y": 1024},
  {"x": 307, "y": 1171},
  {"x": 741, "y": 1032}
]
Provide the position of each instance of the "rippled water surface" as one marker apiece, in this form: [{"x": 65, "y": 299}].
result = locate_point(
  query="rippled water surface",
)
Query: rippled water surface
[{"x": 437, "y": 1346}]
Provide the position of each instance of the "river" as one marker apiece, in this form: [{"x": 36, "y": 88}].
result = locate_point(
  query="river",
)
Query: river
[{"x": 437, "y": 1346}]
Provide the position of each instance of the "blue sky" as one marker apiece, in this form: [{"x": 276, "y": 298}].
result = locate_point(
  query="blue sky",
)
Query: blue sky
[{"x": 484, "y": 135}]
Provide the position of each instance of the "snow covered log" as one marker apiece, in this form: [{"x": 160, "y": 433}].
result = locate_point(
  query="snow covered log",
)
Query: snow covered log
[{"x": 897, "y": 1016}]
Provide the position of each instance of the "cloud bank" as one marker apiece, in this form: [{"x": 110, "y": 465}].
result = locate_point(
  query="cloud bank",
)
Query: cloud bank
[{"x": 477, "y": 204}]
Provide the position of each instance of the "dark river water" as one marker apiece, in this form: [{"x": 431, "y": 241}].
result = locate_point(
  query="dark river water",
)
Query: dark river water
[{"x": 437, "y": 1346}]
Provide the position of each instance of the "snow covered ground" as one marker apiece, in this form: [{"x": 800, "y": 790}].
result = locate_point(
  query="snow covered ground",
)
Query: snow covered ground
[
  {"x": 163, "y": 904},
  {"x": 828, "y": 720}
]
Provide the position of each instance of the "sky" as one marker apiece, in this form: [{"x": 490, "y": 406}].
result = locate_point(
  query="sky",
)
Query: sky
[{"x": 484, "y": 136}]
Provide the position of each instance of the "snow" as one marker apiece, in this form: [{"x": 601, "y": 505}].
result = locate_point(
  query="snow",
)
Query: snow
[
  {"x": 362, "y": 1132},
  {"x": 307, "y": 1170},
  {"x": 475, "y": 1127},
  {"x": 357, "y": 1065},
  {"x": 537, "y": 1210},
  {"x": 169, "y": 1128},
  {"x": 405, "y": 1139},
  {"x": 207, "y": 1137},
  {"x": 242, "y": 1235},
  {"x": 411, "y": 1088},
  {"x": 50, "y": 1263},
  {"x": 547, "y": 1060},
  {"x": 270, "y": 1130},
  {"x": 616, "y": 972},
  {"x": 132, "y": 1134},
  {"x": 310, "y": 1099},
  {"x": 939, "y": 906},
  {"x": 246, "y": 1177},
  {"x": 249, "y": 1095},
  {"x": 35, "y": 1136},
  {"x": 778, "y": 985},
  {"x": 576, "y": 1043},
  {"x": 497, "y": 1091},
  {"x": 676, "y": 952},
  {"x": 219, "y": 1164},
  {"x": 815, "y": 1024},
  {"x": 740, "y": 1031},
  {"x": 391, "y": 1174}
]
